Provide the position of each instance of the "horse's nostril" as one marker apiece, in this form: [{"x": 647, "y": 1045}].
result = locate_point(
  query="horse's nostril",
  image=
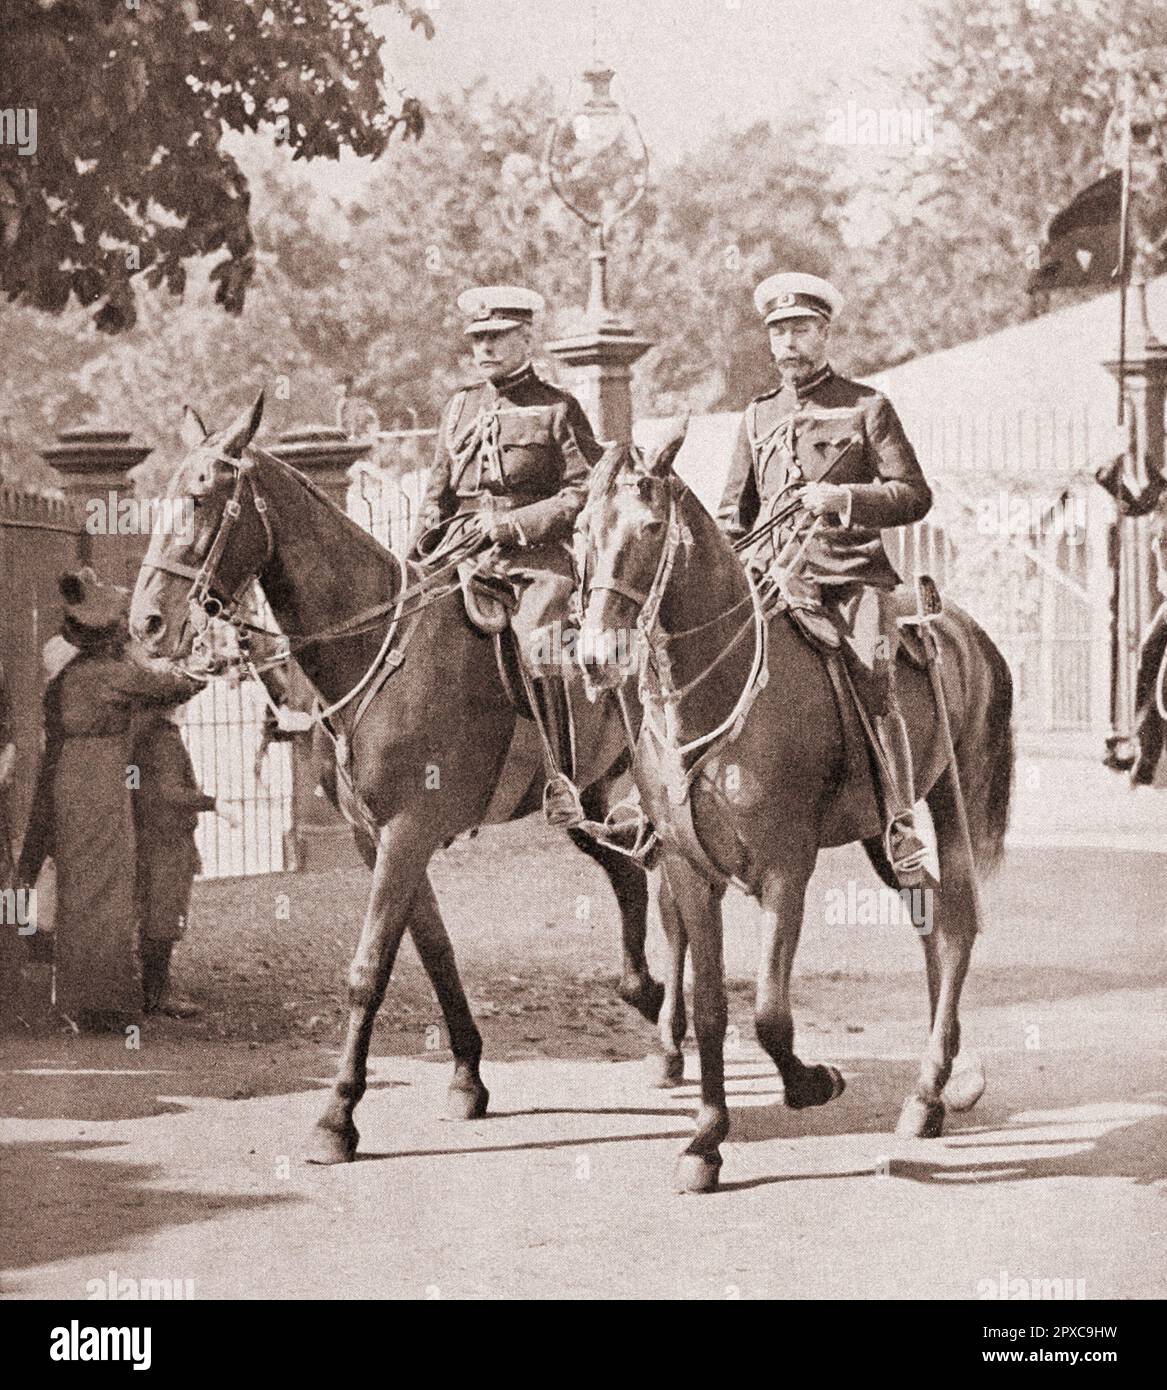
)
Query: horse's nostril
[{"x": 153, "y": 625}]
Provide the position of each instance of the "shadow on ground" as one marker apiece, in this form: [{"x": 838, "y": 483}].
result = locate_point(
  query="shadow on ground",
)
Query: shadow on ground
[{"x": 100, "y": 1196}]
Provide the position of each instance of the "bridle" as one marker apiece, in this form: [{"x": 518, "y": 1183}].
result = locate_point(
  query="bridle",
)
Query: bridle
[
  {"x": 204, "y": 603},
  {"x": 646, "y": 601},
  {"x": 669, "y": 695}
]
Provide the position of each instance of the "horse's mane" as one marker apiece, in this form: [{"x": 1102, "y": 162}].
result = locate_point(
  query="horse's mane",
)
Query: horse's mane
[
  {"x": 315, "y": 491},
  {"x": 604, "y": 473}
]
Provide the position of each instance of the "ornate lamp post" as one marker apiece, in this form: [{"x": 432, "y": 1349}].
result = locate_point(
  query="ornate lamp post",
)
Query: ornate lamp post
[{"x": 597, "y": 164}]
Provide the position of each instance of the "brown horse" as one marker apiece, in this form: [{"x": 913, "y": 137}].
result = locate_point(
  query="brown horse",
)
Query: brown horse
[
  {"x": 755, "y": 803},
  {"x": 430, "y": 749}
]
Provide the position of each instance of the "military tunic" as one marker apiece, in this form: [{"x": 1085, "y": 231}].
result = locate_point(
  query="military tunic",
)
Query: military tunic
[
  {"x": 524, "y": 447},
  {"x": 836, "y": 431}
]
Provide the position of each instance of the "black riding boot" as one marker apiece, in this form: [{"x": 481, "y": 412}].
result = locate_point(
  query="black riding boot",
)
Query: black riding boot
[
  {"x": 904, "y": 847},
  {"x": 1148, "y": 721},
  {"x": 561, "y": 806}
]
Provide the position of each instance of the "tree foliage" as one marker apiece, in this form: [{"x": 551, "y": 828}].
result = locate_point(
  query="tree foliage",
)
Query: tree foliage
[
  {"x": 133, "y": 98},
  {"x": 1022, "y": 91},
  {"x": 931, "y": 246}
]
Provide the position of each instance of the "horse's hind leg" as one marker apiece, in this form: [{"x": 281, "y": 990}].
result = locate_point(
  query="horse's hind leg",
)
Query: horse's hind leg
[
  {"x": 948, "y": 927},
  {"x": 783, "y": 903},
  {"x": 630, "y": 885},
  {"x": 468, "y": 1097},
  {"x": 401, "y": 857}
]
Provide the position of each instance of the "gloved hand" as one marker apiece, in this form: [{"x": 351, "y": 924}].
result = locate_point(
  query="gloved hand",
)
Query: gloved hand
[
  {"x": 823, "y": 499},
  {"x": 499, "y": 530}
]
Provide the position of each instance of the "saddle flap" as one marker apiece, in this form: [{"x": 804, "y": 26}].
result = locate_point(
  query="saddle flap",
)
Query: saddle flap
[{"x": 488, "y": 597}]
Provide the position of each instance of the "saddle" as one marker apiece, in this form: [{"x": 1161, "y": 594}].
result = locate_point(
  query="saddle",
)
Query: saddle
[
  {"x": 489, "y": 596},
  {"x": 820, "y": 629}
]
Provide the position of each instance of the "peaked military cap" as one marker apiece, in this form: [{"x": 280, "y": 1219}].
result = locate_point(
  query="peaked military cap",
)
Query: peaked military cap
[
  {"x": 793, "y": 295},
  {"x": 495, "y": 308}
]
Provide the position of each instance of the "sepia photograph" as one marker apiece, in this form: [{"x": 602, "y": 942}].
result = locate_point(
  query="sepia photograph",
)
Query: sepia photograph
[{"x": 583, "y": 667}]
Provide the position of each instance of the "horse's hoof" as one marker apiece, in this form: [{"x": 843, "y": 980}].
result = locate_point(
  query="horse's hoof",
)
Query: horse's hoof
[
  {"x": 920, "y": 1119},
  {"x": 467, "y": 1102},
  {"x": 644, "y": 994},
  {"x": 965, "y": 1087},
  {"x": 330, "y": 1146},
  {"x": 668, "y": 1069},
  {"x": 697, "y": 1173},
  {"x": 818, "y": 1086}
]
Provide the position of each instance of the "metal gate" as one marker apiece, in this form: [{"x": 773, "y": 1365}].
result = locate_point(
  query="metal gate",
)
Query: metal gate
[
  {"x": 1030, "y": 595},
  {"x": 222, "y": 727}
]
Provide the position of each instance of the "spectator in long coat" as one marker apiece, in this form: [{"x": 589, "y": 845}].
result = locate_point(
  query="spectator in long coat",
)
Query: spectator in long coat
[
  {"x": 167, "y": 806},
  {"x": 86, "y": 779}
]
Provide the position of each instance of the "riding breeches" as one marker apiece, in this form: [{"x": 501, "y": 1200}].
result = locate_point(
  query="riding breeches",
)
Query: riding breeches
[
  {"x": 542, "y": 575},
  {"x": 866, "y": 617}
]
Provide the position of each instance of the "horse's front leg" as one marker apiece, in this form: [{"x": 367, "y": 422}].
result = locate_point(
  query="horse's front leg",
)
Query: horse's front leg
[
  {"x": 630, "y": 885},
  {"x": 468, "y": 1097},
  {"x": 402, "y": 853},
  {"x": 699, "y": 904},
  {"x": 673, "y": 1022},
  {"x": 783, "y": 904}
]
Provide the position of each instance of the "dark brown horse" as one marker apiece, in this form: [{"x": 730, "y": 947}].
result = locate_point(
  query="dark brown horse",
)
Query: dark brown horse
[
  {"x": 434, "y": 751},
  {"x": 756, "y": 803}
]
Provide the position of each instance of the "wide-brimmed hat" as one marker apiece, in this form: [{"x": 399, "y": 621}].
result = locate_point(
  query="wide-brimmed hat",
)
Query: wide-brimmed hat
[{"x": 91, "y": 603}]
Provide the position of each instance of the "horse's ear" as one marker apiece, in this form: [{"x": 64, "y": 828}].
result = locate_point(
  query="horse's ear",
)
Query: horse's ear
[
  {"x": 192, "y": 431},
  {"x": 242, "y": 430},
  {"x": 662, "y": 458}
]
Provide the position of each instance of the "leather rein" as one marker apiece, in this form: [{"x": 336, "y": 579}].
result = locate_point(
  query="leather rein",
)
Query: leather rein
[
  {"x": 205, "y": 605},
  {"x": 657, "y": 642}
]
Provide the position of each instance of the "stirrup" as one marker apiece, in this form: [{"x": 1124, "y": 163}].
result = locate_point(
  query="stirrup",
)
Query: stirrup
[
  {"x": 561, "y": 804},
  {"x": 909, "y": 867}
]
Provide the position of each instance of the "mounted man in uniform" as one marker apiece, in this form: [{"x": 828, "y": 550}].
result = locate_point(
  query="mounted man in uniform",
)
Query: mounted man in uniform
[
  {"x": 840, "y": 449},
  {"x": 516, "y": 451}
]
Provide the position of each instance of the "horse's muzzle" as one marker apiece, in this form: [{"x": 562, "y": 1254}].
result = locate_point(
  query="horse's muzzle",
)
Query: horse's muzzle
[{"x": 606, "y": 656}]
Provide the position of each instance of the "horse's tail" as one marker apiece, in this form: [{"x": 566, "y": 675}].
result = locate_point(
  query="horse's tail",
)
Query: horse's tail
[{"x": 985, "y": 756}]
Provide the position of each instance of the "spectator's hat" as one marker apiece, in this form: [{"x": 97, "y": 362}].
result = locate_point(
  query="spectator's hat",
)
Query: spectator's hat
[
  {"x": 496, "y": 308},
  {"x": 793, "y": 295},
  {"x": 90, "y": 603}
]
